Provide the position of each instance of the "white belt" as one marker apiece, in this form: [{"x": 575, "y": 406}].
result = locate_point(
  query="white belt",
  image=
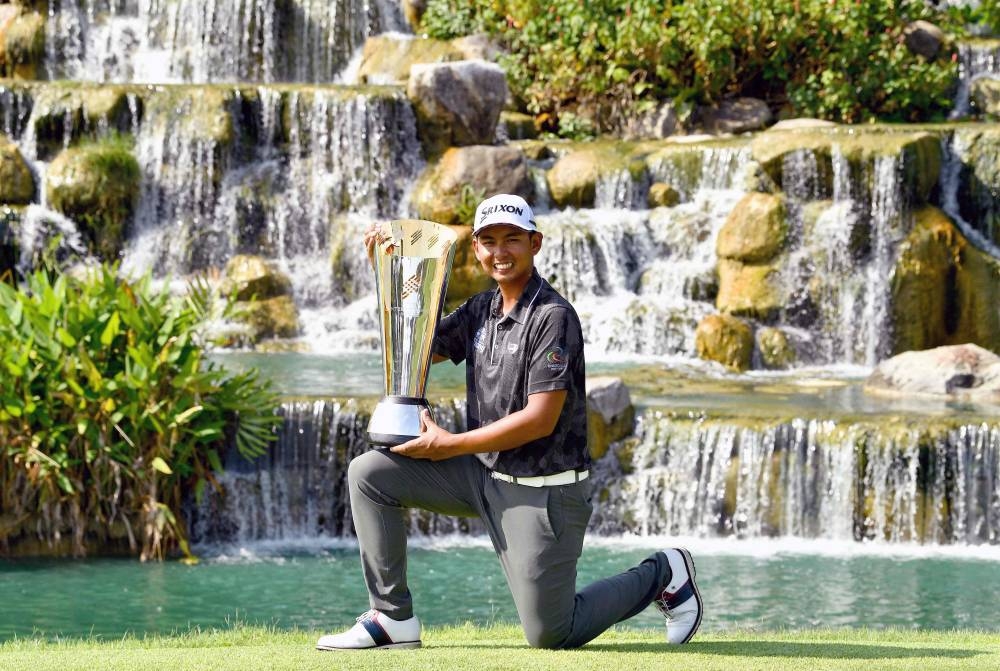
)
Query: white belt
[{"x": 564, "y": 478}]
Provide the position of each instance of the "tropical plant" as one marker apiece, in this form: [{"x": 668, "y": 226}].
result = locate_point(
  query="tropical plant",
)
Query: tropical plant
[{"x": 110, "y": 414}]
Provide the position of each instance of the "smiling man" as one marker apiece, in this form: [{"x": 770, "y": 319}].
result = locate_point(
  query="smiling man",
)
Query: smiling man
[{"x": 522, "y": 466}]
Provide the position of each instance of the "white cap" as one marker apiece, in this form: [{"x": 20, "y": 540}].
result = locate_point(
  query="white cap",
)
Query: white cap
[{"x": 504, "y": 208}]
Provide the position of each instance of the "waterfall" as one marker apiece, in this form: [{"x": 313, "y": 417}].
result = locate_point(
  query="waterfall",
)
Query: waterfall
[
  {"x": 975, "y": 60},
  {"x": 884, "y": 480},
  {"x": 876, "y": 480},
  {"x": 202, "y": 41}
]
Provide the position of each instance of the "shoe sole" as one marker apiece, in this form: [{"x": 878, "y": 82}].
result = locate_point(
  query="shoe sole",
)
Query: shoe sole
[
  {"x": 406, "y": 645},
  {"x": 689, "y": 564}
]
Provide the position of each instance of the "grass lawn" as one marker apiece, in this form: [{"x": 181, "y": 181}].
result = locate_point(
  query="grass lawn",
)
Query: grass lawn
[{"x": 502, "y": 647}]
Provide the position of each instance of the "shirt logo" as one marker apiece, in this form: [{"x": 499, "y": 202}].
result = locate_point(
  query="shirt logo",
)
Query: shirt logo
[
  {"x": 512, "y": 347},
  {"x": 479, "y": 341},
  {"x": 556, "y": 359}
]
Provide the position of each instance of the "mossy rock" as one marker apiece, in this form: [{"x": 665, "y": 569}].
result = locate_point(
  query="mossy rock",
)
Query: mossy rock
[
  {"x": 203, "y": 111},
  {"x": 978, "y": 148},
  {"x": 64, "y": 113},
  {"x": 985, "y": 95},
  {"x": 662, "y": 195},
  {"x": 755, "y": 230},
  {"x": 573, "y": 179},
  {"x": 254, "y": 277},
  {"x": 751, "y": 290},
  {"x": 920, "y": 152},
  {"x": 23, "y": 46},
  {"x": 96, "y": 185},
  {"x": 17, "y": 186},
  {"x": 450, "y": 189},
  {"x": 275, "y": 317},
  {"x": 776, "y": 352},
  {"x": 386, "y": 59},
  {"x": 944, "y": 290},
  {"x": 725, "y": 339}
]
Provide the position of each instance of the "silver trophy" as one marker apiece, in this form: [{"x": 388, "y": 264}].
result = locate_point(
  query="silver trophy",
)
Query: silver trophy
[{"x": 412, "y": 261}]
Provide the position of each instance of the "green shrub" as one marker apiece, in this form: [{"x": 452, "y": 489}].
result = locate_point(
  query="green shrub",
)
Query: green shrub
[
  {"x": 109, "y": 413},
  {"x": 603, "y": 60}
]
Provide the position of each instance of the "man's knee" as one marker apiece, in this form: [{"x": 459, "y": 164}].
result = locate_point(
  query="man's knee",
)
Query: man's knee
[
  {"x": 371, "y": 473},
  {"x": 540, "y": 635}
]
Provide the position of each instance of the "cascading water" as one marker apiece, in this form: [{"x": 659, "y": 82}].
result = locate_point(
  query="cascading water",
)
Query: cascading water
[
  {"x": 809, "y": 478},
  {"x": 201, "y": 41},
  {"x": 975, "y": 60}
]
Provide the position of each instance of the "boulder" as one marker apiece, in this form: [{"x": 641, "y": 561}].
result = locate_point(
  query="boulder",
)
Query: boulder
[
  {"x": 97, "y": 185},
  {"x": 742, "y": 115},
  {"x": 477, "y": 47},
  {"x": 944, "y": 290},
  {"x": 254, "y": 277},
  {"x": 17, "y": 186},
  {"x": 660, "y": 122},
  {"x": 801, "y": 123},
  {"x": 965, "y": 370},
  {"x": 662, "y": 195},
  {"x": 413, "y": 10},
  {"x": 23, "y": 45},
  {"x": 449, "y": 191},
  {"x": 66, "y": 113},
  {"x": 725, "y": 339},
  {"x": 572, "y": 180},
  {"x": 776, "y": 352},
  {"x": 457, "y": 104},
  {"x": 755, "y": 230},
  {"x": 517, "y": 126},
  {"x": 923, "y": 38},
  {"x": 751, "y": 290},
  {"x": 610, "y": 413},
  {"x": 274, "y": 317},
  {"x": 387, "y": 58}
]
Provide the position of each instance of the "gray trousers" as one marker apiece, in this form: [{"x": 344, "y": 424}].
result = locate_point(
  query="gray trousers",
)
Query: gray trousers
[{"x": 537, "y": 533}]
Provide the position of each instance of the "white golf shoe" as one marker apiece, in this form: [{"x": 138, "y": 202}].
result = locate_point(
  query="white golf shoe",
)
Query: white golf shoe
[
  {"x": 374, "y": 630},
  {"x": 680, "y": 601}
]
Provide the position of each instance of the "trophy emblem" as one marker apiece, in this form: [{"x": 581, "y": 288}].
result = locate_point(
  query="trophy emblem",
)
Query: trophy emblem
[{"x": 412, "y": 263}]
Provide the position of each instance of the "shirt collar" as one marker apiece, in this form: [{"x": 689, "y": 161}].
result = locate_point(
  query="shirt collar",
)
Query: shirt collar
[{"x": 524, "y": 303}]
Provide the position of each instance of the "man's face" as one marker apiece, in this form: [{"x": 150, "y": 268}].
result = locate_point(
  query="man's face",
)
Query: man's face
[{"x": 507, "y": 252}]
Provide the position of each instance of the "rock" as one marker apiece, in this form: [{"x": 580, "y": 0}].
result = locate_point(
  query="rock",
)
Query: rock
[
  {"x": 64, "y": 113},
  {"x": 755, "y": 230},
  {"x": 23, "y": 45},
  {"x": 775, "y": 350},
  {"x": 17, "y": 186},
  {"x": 457, "y": 104},
  {"x": 517, "y": 126},
  {"x": 741, "y": 115},
  {"x": 387, "y": 58},
  {"x": 725, "y": 339},
  {"x": 610, "y": 413},
  {"x": 985, "y": 95},
  {"x": 662, "y": 195},
  {"x": 413, "y": 10},
  {"x": 944, "y": 290},
  {"x": 449, "y": 191},
  {"x": 253, "y": 277},
  {"x": 923, "y": 38},
  {"x": 950, "y": 370},
  {"x": 658, "y": 123},
  {"x": 572, "y": 180},
  {"x": 919, "y": 152},
  {"x": 97, "y": 185},
  {"x": 751, "y": 290},
  {"x": 274, "y": 317},
  {"x": 477, "y": 47}
]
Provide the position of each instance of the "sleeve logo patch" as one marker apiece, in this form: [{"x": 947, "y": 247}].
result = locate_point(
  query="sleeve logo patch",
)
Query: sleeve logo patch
[{"x": 556, "y": 359}]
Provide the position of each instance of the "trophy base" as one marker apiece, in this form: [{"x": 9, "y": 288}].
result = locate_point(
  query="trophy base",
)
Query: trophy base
[{"x": 395, "y": 420}]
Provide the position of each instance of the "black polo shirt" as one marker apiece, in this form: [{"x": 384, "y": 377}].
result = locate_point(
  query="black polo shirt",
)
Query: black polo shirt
[{"x": 537, "y": 347}]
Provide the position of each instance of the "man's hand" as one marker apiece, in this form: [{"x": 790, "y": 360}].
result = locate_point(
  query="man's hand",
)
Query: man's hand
[
  {"x": 375, "y": 235},
  {"x": 433, "y": 442}
]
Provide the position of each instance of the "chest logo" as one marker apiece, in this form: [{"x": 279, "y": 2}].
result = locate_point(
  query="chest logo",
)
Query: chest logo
[
  {"x": 479, "y": 341},
  {"x": 512, "y": 347}
]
